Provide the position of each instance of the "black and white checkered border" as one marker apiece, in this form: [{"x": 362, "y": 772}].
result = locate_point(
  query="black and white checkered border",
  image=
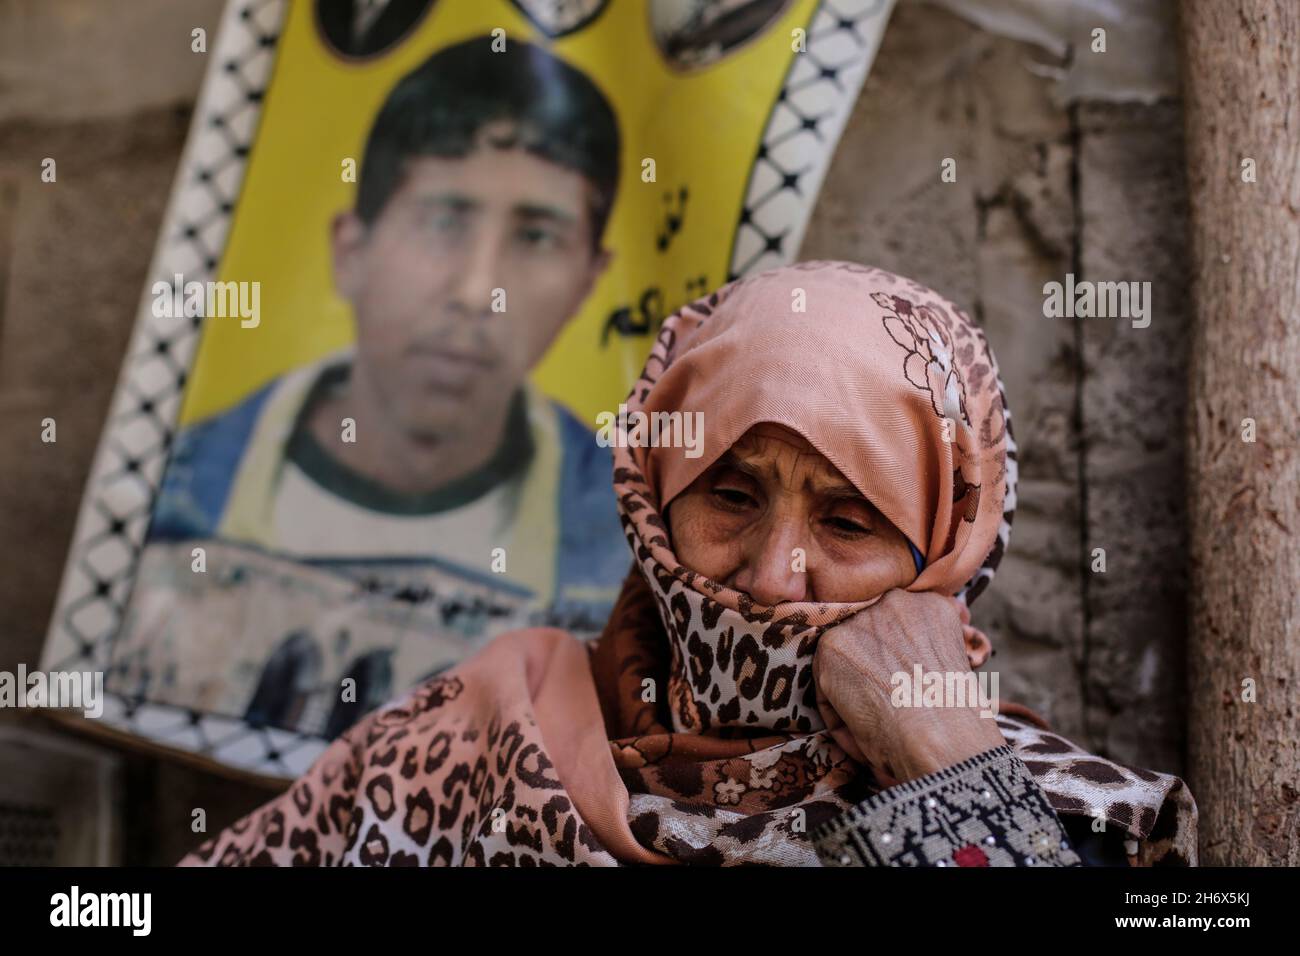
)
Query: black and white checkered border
[
  {"x": 806, "y": 121},
  {"x": 132, "y": 452}
]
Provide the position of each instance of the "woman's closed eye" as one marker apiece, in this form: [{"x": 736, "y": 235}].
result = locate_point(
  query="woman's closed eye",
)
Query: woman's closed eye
[
  {"x": 734, "y": 495},
  {"x": 848, "y": 525}
]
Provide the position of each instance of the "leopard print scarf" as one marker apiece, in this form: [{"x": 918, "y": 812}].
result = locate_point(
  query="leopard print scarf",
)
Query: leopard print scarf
[{"x": 689, "y": 731}]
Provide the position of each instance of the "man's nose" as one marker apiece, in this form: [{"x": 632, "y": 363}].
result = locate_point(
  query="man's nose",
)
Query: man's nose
[
  {"x": 477, "y": 279},
  {"x": 771, "y": 572}
]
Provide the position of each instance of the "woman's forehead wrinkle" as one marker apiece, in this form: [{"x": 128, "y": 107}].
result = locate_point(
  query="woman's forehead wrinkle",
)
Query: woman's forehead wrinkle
[
  {"x": 765, "y": 461},
  {"x": 765, "y": 455},
  {"x": 814, "y": 473},
  {"x": 788, "y": 458},
  {"x": 823, "y": 477}
]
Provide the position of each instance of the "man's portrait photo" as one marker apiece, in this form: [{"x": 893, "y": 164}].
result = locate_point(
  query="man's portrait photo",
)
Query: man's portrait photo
[
  {"x": 479, "y": 185},
  {"x": 482, "y": 197}
]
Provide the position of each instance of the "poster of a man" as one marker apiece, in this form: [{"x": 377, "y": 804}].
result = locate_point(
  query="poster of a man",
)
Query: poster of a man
[
  {"x": 483, "y": 193},
  {"x": 460, "y": 226}
]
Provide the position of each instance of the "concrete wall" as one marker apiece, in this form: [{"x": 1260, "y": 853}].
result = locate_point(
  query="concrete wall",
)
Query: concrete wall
[{"x": 1042, "y": 189}]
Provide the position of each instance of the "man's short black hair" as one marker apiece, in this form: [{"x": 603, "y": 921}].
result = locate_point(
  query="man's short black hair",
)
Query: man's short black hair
[{"x": 440, "y": 107}]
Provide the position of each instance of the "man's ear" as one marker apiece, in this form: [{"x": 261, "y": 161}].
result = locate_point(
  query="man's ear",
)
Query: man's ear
[
  {"x": 347, "y": 244},
  {"x": 595, "y": 269}
]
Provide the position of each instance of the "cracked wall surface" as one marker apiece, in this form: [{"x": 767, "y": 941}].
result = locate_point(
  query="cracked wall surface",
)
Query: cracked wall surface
[{"x": 1042, "y": 189}]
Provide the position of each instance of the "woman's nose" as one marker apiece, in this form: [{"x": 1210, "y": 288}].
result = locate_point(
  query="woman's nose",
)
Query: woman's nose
[{"x": 772, "y": 571}]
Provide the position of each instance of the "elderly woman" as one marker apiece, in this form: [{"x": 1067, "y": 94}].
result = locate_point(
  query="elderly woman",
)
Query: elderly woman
[{"x": 854, "y": 495}]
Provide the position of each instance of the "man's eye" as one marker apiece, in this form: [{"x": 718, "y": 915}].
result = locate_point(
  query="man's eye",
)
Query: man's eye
[
  {"x": 536, "y": 238},
  {"x": 445, "y": 222}
]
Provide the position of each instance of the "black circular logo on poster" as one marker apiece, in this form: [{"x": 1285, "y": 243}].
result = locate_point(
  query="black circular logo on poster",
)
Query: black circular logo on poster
[{"x": 362, "y": 29}]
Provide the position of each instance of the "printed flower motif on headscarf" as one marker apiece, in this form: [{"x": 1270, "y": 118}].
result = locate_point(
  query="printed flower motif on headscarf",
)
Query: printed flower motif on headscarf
[
  {"x": 820, "y": 751},
  {"x": 923, "y": 334},
  {"x": 727, "y": 792},
  {"x": 762, "y": 779},
  {"x": 790, "y": 775}
]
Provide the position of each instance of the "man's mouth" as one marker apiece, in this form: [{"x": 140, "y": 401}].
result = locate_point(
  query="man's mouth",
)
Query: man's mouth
[{"x": 449, "y": 370}]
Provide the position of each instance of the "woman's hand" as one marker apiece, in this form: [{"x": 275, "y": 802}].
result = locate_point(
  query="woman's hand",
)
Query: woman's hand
[{"x": 853, "y": 669}]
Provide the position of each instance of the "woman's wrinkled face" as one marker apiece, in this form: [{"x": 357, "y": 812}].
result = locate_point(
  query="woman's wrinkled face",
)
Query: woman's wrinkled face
[{"x": 741, "y": 521}]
